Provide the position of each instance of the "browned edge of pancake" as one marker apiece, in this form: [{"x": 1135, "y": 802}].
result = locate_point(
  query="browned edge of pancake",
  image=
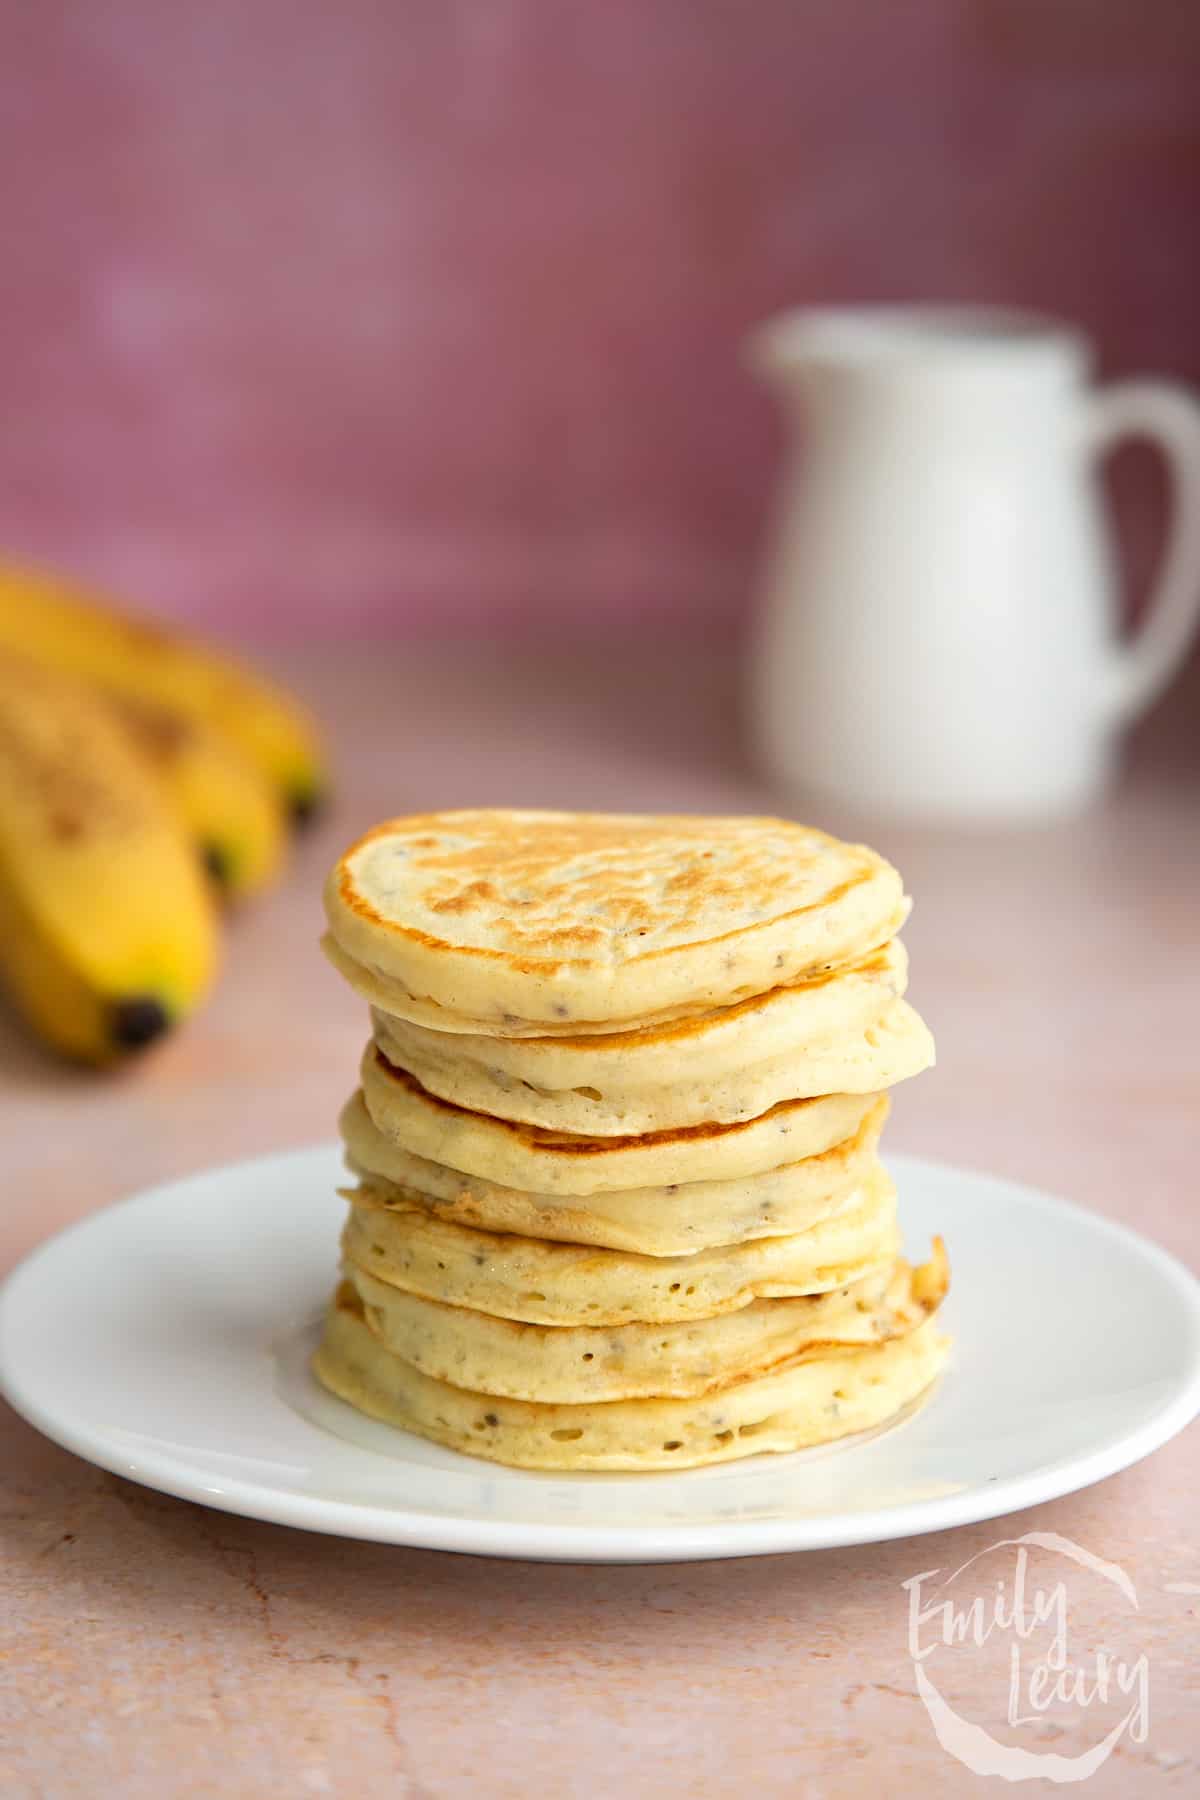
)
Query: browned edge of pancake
[{"x": 540, "y": 1137}]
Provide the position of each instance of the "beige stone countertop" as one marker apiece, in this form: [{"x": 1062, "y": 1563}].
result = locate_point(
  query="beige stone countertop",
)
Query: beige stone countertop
[{"x": 151, "y": 1648}]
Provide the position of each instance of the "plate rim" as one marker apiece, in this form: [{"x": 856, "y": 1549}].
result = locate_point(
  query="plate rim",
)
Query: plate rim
[{"x": 613, "y": 1541}]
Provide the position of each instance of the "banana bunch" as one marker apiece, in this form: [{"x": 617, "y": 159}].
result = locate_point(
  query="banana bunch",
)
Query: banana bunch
[{"x": 142, "y": 777}]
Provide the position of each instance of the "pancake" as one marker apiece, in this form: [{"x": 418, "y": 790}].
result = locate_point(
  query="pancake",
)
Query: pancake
[
  {"x": 386, "y": 994},
  {"x": 698, "y": 1048},
  {"x": 547, "y": 1283},
  {"x": 655, "y": 1221},
  {"x": 554, "y": 1162},
  {"x": 643, "y": 1361},
  {"x": 536, "y": 923},
  {"x": 894, "y": 1047},
  {"x": 812, "y": 1402}
]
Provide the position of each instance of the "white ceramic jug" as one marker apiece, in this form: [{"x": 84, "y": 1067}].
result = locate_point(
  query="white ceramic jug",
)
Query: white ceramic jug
[{"x": 939, "y": 633}]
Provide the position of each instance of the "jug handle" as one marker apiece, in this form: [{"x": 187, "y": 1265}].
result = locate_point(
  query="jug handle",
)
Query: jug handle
[{"x": 1168, "y": 415}]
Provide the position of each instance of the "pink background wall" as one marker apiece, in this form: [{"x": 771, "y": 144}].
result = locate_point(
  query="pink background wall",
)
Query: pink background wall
[{"x": 322, "y": 316}]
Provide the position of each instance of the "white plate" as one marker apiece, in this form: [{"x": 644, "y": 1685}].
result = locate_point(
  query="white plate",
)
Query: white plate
[{"x": 166, "y": 1339}]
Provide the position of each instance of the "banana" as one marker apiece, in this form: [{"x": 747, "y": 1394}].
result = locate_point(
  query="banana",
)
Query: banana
[
  {"x": 43, "y": 618},
  {"x": 229, "y": 809},
  {"x": 108, "y": 929}
]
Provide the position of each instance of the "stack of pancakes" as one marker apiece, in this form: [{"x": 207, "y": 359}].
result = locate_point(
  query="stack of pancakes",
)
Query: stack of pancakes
[{"x": 619, "y": 1203}]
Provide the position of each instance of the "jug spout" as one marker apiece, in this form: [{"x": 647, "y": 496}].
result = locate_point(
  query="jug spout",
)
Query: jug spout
[{"x": 990, "y": 343}]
